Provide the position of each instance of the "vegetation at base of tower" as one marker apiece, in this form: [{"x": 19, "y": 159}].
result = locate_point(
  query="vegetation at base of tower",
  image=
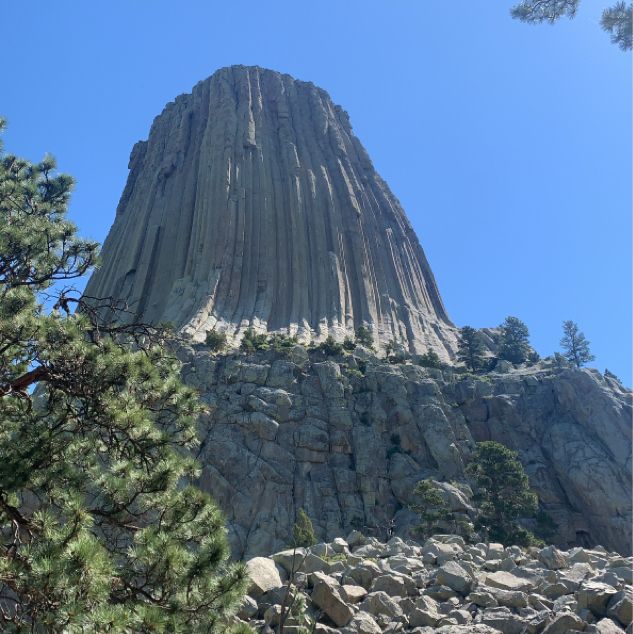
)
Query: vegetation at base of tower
[
  {"x": 503, "y": 494},
  {"x": 251, "y": 341},
  {"x": 303, "y": 531},
  {"x": 215, "y": 340},
  {"x": 330, "y": 347},
  {"x": 429, "y": 359},
  {"x": 281, "y": 343},
  {"x": 349, "y": 344},
  {"x": 514, "y": 345},
  {"x": 364, "y": 337},
  {"x": 470, "y": 349},
  {"x": 391, "y": 347},
  {"x": 575, "y": 345},
  {"x": 100, "y": 527},
  {"x": 616, "y": 20}
]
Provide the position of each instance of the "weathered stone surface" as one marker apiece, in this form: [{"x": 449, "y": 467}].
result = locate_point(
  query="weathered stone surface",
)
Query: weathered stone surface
[
  {"x": 508, "y": 581},
  {"x": 328, "y": 596},
  {"x": 595, "y": 596},
  {"x": 608, "y": 626},
  {"x": 552, "y": 558},
  {"x": 354, "y": 594},
  {"x": 263, "y": 574},
  {"x": 253, "y": 204},
  {"x": 451, "y": 574},
  {"x": 377, "y": 603},
  {"x": 362, "y": 623},
  {"x": 504, "y": 620},
  {"x": 564, "y": 623},
  {"x": 620, "y": 607}
]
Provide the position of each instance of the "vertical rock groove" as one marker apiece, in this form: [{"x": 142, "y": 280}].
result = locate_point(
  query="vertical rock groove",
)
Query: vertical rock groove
[{"x": 253, "y": 205}]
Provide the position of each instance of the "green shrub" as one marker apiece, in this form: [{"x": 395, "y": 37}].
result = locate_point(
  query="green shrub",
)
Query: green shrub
[
  {"x": 503, "y": 494},
  {"x": 514, "y": 346},
  {"x": 282, "y": 343},
  {"x": 330, "y": 347},
  {"x": 215, "y": 340},
  {"x": 303, "y": 531},
  {"x": 252, "y": 341},
  {"x": 364, "y": 337},
  {"x": 430, "y": 359},
  {"x": 349, "y": 344}
]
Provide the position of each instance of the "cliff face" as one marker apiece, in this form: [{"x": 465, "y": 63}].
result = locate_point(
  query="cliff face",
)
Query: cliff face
[
  {"x": 347, "y": 439},
  {"x": 252, "y": 204}
]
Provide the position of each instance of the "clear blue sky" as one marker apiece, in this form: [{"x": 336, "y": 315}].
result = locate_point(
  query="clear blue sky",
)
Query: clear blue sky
[{"x": 508, "y": 145}]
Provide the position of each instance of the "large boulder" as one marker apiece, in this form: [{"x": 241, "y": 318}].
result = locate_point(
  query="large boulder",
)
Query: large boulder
[
  {"x": 508, "y": 581},
  {"x": 451, "y": 574},
  {"x": 595, "y": 596},
  {"x": 620, "y": 606},
  {"x": 328, "y": 595},
  {"x": 264, "y": 576}
]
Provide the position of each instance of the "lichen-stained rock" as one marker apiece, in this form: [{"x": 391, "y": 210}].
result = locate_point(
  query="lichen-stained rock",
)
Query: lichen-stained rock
[{"x": 252, "y": 204}]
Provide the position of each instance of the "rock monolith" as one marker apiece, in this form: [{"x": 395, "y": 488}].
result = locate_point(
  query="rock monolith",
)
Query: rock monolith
[{"x": 253, "y": 205}]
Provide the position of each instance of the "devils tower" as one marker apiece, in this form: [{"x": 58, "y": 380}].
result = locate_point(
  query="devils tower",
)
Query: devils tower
[{"x": 253, "y": 205}]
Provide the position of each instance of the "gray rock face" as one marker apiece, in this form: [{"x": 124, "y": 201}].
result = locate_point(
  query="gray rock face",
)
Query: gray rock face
[
  {"x": 349, "y": 447},
  {"x": 252, "y": 204}
]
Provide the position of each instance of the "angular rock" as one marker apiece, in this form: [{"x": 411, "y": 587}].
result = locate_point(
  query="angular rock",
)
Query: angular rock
[
  {"x": 377, "y": 603},
  {"x": 552, "y": 558},
  {"x": 620, "y": 607},
  {"x": 595, "y": 596},
  {"x": 451, "y": 574},
  {"x": 354, "y": 594},
  {"x": 263, "y": 574},
  {"x": 504, "y": 620},
  {"x": 508, "y": 581},
  {"x": 608, "y": 626},
  {"x": 564, "y": 624},
  {"x": 328, "y": 596},
  {"x": 362, "y": 623}
]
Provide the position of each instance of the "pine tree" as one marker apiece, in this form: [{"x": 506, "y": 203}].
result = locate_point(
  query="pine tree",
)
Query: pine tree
[
  {"x": 514, "y": 345},
  {"x": 364, "y": 337},
  {"x": 303, "y": 531},
  {"x": 101, "y": 529},
  {"x": 616, "y": 20},
  {"x": 431, "y": 507},
  {"x": 503, "y": 494},
  {"x": 575, "y": 345},
  {"x": 470, "y": 349}
]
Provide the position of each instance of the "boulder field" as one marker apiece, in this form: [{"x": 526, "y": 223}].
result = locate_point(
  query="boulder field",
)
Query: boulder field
[{"x": 360, "y": 585}]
